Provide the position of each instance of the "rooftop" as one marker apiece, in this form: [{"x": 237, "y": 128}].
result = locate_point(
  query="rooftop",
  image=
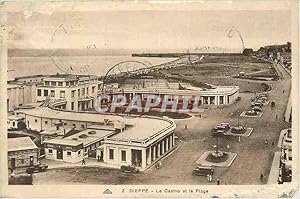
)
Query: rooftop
[
  {"x": 89, "y": 136},
  {"x": 187, "y": 91},
  {"x": 142, "y": 127},
  {"x": 65, "y": 142},
  {"x": 20, "y": 143},
  {"x": 15, "y": 117}
]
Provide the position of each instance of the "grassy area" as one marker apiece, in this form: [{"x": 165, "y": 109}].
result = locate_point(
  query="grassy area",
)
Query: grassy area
[{"x": 219, "y": 70}]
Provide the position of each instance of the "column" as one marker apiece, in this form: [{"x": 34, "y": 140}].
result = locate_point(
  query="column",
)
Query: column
[
  {"x": 163, "y": 147},
  {"x": 208, "y": 100},
  {"x": 217, "y": 100},
  {"x": 158, "y": 150},
  {"x": 167, "y": 145},
  {"x": 149, "y": 156},
  {"x": 173, "y": 136},
  {"x": 144, "y": 156},
  {"x": 129, "y": 156},
  {"x": 154, "y": 153}
]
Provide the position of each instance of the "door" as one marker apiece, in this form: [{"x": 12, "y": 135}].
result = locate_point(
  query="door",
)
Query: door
[
  {"x": 101, "y": 155},
  {"x": 59, "y": 153},
  {"x": 13, "y": 163},
  {"x": 7, "y": 105},
  {"x": 31, "y": 161}
]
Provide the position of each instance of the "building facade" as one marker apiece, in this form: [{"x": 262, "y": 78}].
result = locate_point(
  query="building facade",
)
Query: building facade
[
  {"x": 22, "y": 153},
  {"x": 119, "y": 150},
  {"x": 64, "y": 150},
  {"x": 68, "y": 92},
  {"x": 115, "y": 140}
]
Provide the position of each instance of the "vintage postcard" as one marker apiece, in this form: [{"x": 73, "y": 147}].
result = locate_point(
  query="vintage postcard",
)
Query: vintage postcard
[{"x": 149, "y": 99}]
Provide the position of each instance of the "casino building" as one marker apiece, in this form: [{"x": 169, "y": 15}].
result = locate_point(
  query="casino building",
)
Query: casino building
[{"x": 112, "y": 139}]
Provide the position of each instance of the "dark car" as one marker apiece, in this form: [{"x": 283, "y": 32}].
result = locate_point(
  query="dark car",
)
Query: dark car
[
  {"x": 256, "y": 108},
  {"x": 203, "y": 171},
  {"x": 129, "y": 169},
  {"x": 37, "y": 168}
]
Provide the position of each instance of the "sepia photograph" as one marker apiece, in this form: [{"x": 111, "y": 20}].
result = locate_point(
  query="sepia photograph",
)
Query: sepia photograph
[{"x": 149, "y": 99}]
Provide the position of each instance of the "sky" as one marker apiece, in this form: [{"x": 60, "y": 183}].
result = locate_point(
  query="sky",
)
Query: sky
[{"x": 152, "y": 29}]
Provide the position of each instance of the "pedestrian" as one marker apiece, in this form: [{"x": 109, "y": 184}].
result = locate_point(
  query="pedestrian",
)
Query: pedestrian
[
  {"x": 218, "y": 181},
  {"x": 210, "y": 178},
  {"x": 239, "y": 138},
  {"x": 83, "y": 161},
  {"x": 276, "y": 117},
  {"x": 261, "y": 177},
  {"x": 200, "y": 115},
  {"x": 185, "y": 126},
  {"x": 266, "y": 143}
]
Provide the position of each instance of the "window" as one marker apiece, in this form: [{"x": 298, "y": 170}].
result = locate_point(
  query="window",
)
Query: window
[
  {"x": 53, "y": 83},
  {"x": 35, "y": 120},
  {"x": 82, "y": 126},
  {"x": 67, "y": 83},
  {"x": 14, "y": 123},
  {"x": 93, "y": 89},
  {"x": 72, "y": 83},
  {"x": 72, "y": 105},
  {"x": 39, "y": 92},
  {"x": 45, "y": 92},
  {"x": 111, "y": 154},
  {"x": 62, "y": 94},
  {"x": 73, "y": 93},
  {"x": 79, "y": 152},
  {"x": 69, "y": 153},
  {"x": 87, "y": 91},
  {"x": 78, "y": 92},
  {"x": 83, "y": 92},
  {"x": 50, "y": 151},
  {"x": 60, "y": 84},
  {"x": 46, "y": 122},
  {"x": 123, "y": 156},
  {"x": 47, "y": 83},
  {"x": 52, "y": 93}
]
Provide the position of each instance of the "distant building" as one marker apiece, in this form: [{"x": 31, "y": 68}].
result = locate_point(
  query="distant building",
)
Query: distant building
[
  {"x": 15, "y": 122},
  {"x": 285, "y": 166},
  {"x": 21, "y": 91},
  {"x": 68, "y": 92},
  {"x": 22, "y": 153},
  {"x": 219, "y": 95},
  {"x": 64, "y": 91}
]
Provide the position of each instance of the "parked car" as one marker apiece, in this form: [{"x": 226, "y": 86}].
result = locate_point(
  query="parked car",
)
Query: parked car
[
  {"x": 256, "y": 108},
  {"x": 129, "y": 169},
  {"x": 203, "y": 171},
  {"x": 37, "y": 168},
  {"x": 219, "y": 131},
  {"x": 226, "y": 125},
  {"x": 238, "y": 129}
]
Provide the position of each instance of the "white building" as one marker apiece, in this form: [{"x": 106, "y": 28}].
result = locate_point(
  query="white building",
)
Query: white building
[
  {"x": 220, "y": 95},
  {"x": 69, "y": 92},
  {"x": 14, "y": 122},
  {"x": 116, "y": 140}
]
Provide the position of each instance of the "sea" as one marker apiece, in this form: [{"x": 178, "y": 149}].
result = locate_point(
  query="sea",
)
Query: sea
[{"x": 92, "y": 65}]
